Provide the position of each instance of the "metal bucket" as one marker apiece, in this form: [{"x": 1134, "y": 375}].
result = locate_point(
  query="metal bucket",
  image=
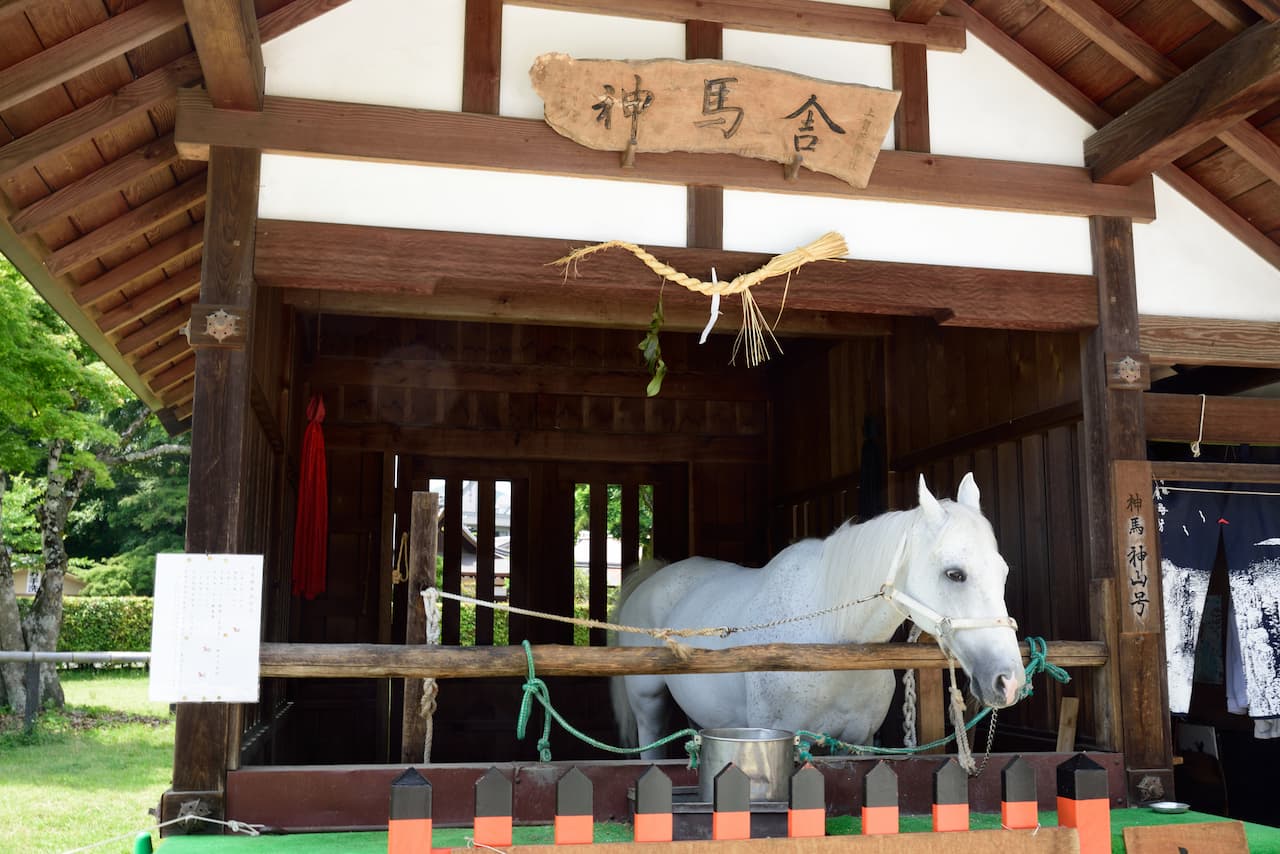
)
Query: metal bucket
[{"x": 767, "y": 756}]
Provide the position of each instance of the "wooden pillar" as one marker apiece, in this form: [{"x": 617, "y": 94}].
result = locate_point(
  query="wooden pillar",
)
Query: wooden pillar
[
  {"x": 1132, "y": 691},
  {"x": 424, "y": 529},
  {"x": 204, "y": 743},
  {"x": 704, "y": 221}
]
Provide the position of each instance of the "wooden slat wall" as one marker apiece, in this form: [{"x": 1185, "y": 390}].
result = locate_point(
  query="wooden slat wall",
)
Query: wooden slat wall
[{"x": 947, "y": 384}]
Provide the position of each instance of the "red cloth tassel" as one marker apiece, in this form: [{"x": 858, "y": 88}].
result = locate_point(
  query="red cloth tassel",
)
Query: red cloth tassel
[{"x": 311, "y": 531}]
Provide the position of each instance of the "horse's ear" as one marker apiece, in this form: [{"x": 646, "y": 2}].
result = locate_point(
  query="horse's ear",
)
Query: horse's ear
[
  {"x": 929, "y": 505},
  {"x": 967, "y": 494}
]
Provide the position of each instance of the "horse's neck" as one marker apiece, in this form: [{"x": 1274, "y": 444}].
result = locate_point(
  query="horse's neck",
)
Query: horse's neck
[{"x": 856, "y": 560}]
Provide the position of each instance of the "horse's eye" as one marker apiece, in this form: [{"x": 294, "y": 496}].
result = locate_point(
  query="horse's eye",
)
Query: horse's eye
[{"x": 956, "y": 574}]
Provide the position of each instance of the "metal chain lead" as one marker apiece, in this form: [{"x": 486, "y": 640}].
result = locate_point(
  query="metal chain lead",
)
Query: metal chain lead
[{"x": 991, "y": 737}]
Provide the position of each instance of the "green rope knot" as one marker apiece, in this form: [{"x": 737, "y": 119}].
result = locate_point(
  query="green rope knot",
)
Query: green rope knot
[{"x": 1039, "y": 663}]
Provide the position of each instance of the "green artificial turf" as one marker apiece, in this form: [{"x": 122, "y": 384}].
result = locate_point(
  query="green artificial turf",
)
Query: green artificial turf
[{"x": 1261, "y": 838}]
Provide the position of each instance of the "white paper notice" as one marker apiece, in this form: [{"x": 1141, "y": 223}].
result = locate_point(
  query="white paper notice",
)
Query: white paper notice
[{"x": 205, "y": 628}]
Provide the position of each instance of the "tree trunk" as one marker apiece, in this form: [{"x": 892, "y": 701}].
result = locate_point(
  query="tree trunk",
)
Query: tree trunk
[
  {"x": 13, "y": 690},
  {"x": 45, "y": 623}
]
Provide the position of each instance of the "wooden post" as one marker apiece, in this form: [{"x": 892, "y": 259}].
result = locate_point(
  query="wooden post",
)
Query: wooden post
[
  {"x": 1132, "y": 693},
  {"x": 931, "y": 704},
  {"x": 203, "y": 741},
  {"x": 704, "y": 220},
  {"x": 423, "y": 530}
]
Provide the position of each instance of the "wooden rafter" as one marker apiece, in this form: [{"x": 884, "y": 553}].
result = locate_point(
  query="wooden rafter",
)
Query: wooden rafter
[
  {"x": 14, "y": 7},
  {"x": 151, "y": 157},
  {"x": 184, "y": 284},
  {"x": 127, "y": 102},
  {"x": 1132, "y": 51},
  {"x": 1222, "y": 89},
  {"x": 154, "y": 330},
  {"x": 475, "y": 271},
  {"x": 142, "y": 264},
  {"x": 789, "y": 17},
  {"x": 113, "y": 37},
  {"x": 1231, "y": 15},
  {"x": 429, "y": 137},
  {"x": 1049, "y": 80},
  {"x": 162, "y": 357},
  {"x": 177, "y": 373},
  {"x": 181, "y": 393},
  {"x": 140, "y": 220},
  {"x": 916, "y": 11},
  {"x": 1268, "y": 10},
  {"x": 225, "y": 33}
]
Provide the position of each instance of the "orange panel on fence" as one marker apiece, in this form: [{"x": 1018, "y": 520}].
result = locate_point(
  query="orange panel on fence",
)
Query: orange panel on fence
[
  {"x": 408, "y": 835},
  {"x": 1091, "y": 819},
  {"x": 731, "y": 825},
  {"x": 653, "y": 827},
  {"x": 877, "y": 820},
  {"x": 949, "y": 817},
  {"x": 806, "y": 823},
  {"x": 1019, "y": 815},
  {"x": 493, "y": 830},
  {"x": 574, "y": 829}
]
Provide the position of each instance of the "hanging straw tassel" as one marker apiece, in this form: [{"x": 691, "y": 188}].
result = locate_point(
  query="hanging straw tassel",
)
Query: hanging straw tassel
[{"x": 828, "y": 247}]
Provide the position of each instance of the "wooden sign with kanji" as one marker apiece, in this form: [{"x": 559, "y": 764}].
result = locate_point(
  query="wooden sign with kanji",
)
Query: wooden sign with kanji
[{"x": 716, "y": 107}]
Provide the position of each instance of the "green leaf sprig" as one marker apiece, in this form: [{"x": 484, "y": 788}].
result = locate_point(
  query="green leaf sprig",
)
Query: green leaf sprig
[{"x": 651, "y": 347}]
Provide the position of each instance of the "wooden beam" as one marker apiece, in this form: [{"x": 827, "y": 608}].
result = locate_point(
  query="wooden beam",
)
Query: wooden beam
[
  {"x": 911, "y": 77},
  {"x": 482, "y": 56},
  {"x": 433, "y": 138},
  {"x": 1231, "y": 15},
  {"x": 1128, "y": 48},
  {"x": 916, "y": 11},
  {"x": 180, "y": 394},
  {"x": 134, "y": 99},
  {"x": 225, "y": 33},
  {"x": 1206, "y": 341},
  {"x": 172, "y": 376},
  {"x": 149, "y": 158},
  {"x": 1268, "y": 10},
  {"x": 462, "y": 266},
  {"x": 532, "y": 378},
  {"x": 1227, "y": 420},
  {"x": 183, "y": 284},
  {"x": 14, "y": 7},
  {"x": 399, "y": 661},
  {"x": 781, "y": 17},
  {"x": 583, "y": 446},
  {"x": 617, "y": 312},
  {"x": 145, "y": 263},
  {"x": 1238, "y": 472},
  {"x": 140, "y": 220},
  {"x": 704, "y": 214},
  {"x": 88, "y": 49},
  {"x": 1220, "y": 90}
]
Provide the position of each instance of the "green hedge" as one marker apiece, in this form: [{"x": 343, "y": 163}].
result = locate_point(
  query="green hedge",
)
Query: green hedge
[{"x": 103, "y": 623}]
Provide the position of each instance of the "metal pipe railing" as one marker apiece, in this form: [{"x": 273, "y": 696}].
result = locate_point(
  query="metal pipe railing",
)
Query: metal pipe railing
[{"x": 35, "y": 657}]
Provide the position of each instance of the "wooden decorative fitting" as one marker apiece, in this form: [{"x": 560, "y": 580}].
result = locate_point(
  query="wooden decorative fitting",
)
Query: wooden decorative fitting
[
  {"x": 218, "y": 326},
  {"x": 1129, "y": 371},
  {"x": 791, "y": 171}
]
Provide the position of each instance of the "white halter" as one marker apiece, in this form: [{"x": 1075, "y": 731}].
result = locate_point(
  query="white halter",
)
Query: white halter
[{"x": 929, "y": 620}]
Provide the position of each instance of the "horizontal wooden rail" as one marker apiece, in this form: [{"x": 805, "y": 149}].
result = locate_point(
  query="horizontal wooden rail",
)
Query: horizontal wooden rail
[{"x": 380, "y": 661}]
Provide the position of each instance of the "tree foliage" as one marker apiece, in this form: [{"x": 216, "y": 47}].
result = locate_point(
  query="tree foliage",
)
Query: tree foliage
[
  {"x": 613, "y": 514},
  {"x": 67, "y": 424}
]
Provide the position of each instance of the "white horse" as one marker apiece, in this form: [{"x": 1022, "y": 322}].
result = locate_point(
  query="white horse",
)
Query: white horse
[{"x": 937, "y": 564}]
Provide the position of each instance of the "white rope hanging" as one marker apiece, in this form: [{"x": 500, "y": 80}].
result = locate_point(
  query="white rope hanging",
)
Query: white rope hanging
[
  {"x": 430, "y": 690},
  {"x": 1195, "y": 446}
]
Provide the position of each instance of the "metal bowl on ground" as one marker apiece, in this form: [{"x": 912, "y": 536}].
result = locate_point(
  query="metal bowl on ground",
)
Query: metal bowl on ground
[{"x": 766, "y": 756}]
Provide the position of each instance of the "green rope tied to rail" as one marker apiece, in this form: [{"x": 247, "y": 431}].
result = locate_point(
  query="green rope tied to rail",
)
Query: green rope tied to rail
[
  {"x": 535, "y": 689},
  {"x": 1038, "y": 663}
]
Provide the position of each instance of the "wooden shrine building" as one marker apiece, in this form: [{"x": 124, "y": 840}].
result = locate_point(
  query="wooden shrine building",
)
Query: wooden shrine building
[{"x": 1071, "y": 232}]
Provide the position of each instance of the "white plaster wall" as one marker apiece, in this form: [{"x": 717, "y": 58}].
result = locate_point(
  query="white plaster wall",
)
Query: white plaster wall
[
  {"x": 924, "y": 234},
  {"x": 843, "y": 62},
  {"x": 351, "y": 54},
  {"x": 1189, "y": 265},
  {"x": 981, "y": 106},
  {"x": 528, "y": 33},
  {"x": 400, "y": 196}
]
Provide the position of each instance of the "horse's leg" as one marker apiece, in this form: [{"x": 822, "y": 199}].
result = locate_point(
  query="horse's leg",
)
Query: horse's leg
[{"x": 648, "y": 698}]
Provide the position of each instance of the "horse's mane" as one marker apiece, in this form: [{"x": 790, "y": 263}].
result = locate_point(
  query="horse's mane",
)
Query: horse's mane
[{"x": 856, "y": 559}]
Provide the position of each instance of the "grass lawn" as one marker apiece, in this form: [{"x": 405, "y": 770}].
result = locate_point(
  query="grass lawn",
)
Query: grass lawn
[{"x": 88, "y": 773}]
